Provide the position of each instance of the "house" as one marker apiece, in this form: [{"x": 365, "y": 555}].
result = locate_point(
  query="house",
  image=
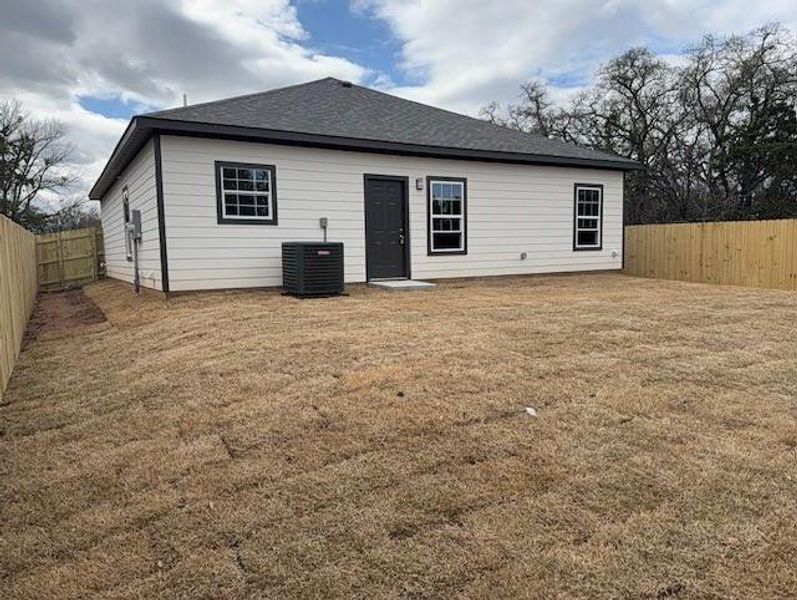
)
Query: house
[{"x": 411, "y": 191}]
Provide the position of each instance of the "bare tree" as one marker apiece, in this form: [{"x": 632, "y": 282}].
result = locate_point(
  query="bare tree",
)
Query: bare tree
[
  {"x": 74, "y": 214},
  {"x": 33, "y": 161},
  {"x": 492, "y": 112},
  {"x": 534, "y": 113},
  {"x": 716, "y": 137},
  {"x": 741, "y": 92}
]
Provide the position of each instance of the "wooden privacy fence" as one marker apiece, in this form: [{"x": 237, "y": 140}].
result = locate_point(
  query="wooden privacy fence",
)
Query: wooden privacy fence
[
  {"x": 17, "y": 291},
  {"x": 746, "y": 253},
  {"x": 68, "y": 259}
]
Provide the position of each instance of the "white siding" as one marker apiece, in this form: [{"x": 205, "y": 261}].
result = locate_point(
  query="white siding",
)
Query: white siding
[
  {"x": 139, "y": 177},
  {"x": 510, "y": 209}
]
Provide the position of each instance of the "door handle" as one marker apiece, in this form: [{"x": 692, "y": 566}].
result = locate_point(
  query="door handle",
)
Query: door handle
[{"x": 401, "y": 239}]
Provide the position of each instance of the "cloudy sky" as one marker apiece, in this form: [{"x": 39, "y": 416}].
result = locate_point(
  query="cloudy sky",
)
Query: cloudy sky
[{"x": 94, "y": 63}]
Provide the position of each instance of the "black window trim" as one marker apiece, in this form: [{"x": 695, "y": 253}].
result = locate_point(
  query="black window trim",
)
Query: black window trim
[
  {"x": 576, "y": 247},
  {"x": 429, "y": 250},
  {"x": 223, "y": 220}
]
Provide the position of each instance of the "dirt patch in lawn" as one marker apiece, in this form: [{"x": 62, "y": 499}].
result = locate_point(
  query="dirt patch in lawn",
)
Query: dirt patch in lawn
[
  {"x": 250, "y": 445},
  {"x": 62, "y": 311}
]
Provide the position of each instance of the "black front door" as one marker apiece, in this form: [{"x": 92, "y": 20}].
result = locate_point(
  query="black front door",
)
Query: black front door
[{"x": 386, "y": 235}]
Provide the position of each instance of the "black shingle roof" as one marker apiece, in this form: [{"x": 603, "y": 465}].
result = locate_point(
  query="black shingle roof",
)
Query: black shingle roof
[
  {"x": 336, "y": 108},
  {"x": 336, "y": 114}
]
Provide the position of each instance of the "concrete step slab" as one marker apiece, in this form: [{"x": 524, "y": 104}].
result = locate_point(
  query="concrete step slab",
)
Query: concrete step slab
[{"x": 403, "y": 285}]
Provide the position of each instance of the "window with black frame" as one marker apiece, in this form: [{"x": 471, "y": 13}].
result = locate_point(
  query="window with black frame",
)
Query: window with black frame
[
  {"x": 588, "y": 226},
  {"x": 246, "y": 193},
  {"x": 447, "y": 215}
]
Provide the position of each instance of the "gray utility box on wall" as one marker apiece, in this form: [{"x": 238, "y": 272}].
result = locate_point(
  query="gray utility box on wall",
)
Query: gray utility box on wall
[{"x": 312, "y": 268}]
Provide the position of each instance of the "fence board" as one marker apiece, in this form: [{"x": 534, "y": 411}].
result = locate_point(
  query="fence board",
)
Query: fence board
[
  {"x": 68, "y": 259},
  {"x": 17, "y": 291},
  {"x": 747, "y": 253}
]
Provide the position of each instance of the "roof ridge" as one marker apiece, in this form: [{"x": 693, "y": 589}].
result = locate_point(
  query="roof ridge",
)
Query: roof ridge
[{"x": 165, "y": 111}]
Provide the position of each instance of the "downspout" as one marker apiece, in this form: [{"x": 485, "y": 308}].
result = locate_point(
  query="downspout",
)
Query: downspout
[{"x": 161, "y": 215}]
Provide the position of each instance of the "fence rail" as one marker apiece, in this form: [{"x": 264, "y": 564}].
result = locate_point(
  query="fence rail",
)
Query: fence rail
[
  {"x": 68, "y": 259},
  {"x": 746, "y": 253},
  {"x": 17, "y": 292}
]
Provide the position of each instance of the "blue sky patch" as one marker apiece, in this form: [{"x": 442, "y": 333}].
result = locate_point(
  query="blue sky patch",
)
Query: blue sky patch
[
  {"x": 113, "y": 107},
  {"x": 337, "y": 30},
  {"x": 570, "y": 79}
]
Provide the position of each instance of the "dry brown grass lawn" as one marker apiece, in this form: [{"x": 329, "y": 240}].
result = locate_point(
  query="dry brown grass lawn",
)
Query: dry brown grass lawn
[{"x": 250, "y": 445}]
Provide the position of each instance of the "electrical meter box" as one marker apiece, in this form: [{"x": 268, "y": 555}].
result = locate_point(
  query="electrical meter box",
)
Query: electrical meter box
[{"x": 135, "y": 224}]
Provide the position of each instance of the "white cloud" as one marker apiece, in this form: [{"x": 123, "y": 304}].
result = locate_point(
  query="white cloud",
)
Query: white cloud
[
  {"x": 151, "y": 52},
  {"x": 464, "y": 53}
]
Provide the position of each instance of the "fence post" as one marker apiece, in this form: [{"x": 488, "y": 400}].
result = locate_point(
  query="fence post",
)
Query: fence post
[
  {"x": 61, "y": 273},
  {"x": 94, "y": 252}
]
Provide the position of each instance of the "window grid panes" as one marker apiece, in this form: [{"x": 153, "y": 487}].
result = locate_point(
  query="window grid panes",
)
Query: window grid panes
[
  {"x": 588, "y": 217},
  {"x": 448, "y": 216},
  {"x": 247, "y": 193}
]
